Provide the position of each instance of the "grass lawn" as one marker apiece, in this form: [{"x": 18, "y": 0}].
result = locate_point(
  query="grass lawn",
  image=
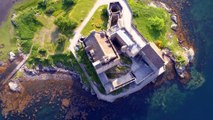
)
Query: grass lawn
[
  {"x": 141, "y": 19},
  {"x": 7, "y": 38},
  {"x": 81, "y": 9},
  {"x": 97, "y": 22},
  {"x": 83, "y": 59}
]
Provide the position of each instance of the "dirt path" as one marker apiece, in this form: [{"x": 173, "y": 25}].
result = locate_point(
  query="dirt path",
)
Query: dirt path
[
  {"x": 77, "y": 32},
  {"x": 25, "y": 57}
]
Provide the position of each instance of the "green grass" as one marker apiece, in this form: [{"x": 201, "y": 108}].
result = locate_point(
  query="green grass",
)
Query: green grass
[
  {"x": 83, "y": 59},
  {"x": 98, "y": 22},
  {"x": 8, "y": 38},
  {"x": 141, "y": 15},
  {"x": 81, "y": 9}
]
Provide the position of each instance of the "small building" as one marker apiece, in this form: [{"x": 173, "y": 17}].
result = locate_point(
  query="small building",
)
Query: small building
[{"x": 101, "y": 51}]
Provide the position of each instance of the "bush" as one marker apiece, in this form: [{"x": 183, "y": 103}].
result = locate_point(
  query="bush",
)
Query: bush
[
  {"x": 42, "y": 4},
  {"x": 27, "y": 25},
  {"x": 68, "y": 3},
  {"x": 42, "y": 52},
  {"x": 61, "y": 39},
  {"x": 26, "y": 45},
  {"x": 50, "y": 10},
  {"x": 65, "y": 25},
  {"x": 156, "y": 24}
]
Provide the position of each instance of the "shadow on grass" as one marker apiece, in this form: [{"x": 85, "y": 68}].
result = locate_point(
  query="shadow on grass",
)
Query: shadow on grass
[
  {"x": 157, "y": 34},
  {"x": 54, "y": 36},
  {"x": 60, "y": 48}
]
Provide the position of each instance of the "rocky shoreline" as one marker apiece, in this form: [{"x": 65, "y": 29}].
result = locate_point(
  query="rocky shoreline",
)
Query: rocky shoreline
[
  {"x": 48, "y": 78},
  {"x": 174, "y": 9}
]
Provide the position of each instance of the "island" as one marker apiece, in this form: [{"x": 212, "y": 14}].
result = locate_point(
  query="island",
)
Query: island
[{"x": 114, "y": 48}]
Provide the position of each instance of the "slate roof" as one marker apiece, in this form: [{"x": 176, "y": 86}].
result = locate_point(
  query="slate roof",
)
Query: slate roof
[
  {"x": 101, "y": 46},
  {"x": 154, "y": 55}
]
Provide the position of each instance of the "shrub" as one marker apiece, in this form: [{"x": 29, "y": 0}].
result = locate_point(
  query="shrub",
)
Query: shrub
[
  {"x": 26, "y": 45},
  {"x": 50, "y": 10},
  {"x": 61, "y": 39},
  {"x": 42, "y": 4},
  {"x": 66, "y": 26},
  {"x": 68, "y": 3},
  {"x": 43, "y": 52},
  {"x": 156, "y": 24},
  {"x": 27, "y": 25}
]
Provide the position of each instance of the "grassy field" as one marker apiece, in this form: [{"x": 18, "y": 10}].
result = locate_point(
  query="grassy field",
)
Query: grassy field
[
  {"x": 81, "y": 9},
  {"x": 83, "y": 59},
  {"x": 97, "y": 22},
  {"x": 7, "y": 39},
  {"x": 165, "y": 38}
]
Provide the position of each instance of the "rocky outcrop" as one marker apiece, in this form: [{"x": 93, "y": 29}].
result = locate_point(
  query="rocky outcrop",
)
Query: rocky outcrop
[
  {"x": 1, "y": 63},
  {"x": 174, "y": 26},
  {"x": 12, "y": 56},
  {"x": 174, "y": 18},
  {"x": 14, "y": 86},
  {"x": 190, "y": 54}
]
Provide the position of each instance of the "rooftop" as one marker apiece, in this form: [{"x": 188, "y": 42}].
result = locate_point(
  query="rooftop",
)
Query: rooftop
[
  {"x": 99, "y": 47},
  {"x": 154, "y": 54}
]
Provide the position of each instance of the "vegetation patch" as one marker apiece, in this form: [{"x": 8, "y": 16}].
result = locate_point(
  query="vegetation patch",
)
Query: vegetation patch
[
  {"x": 65, "y": 26},
  {"x": 154, "y": 24},
  {"x": 81, "y": 9},
  {"x": 98, "y": 22},
  {"x": 83, "y": 59}
]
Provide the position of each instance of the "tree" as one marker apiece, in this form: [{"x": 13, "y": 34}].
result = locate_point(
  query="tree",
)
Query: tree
[
  {"x": 50, "y": 10},
  {"x": 43, "y": 52},
  {"x": 42, "y": 4},
  {"x": 68, "y": 3},
  {"x": 66, "y": 26},
  {"x": 156, "y": 24}
]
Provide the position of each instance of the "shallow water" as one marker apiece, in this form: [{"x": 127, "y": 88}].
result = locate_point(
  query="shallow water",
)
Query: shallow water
[{"x": 170, "y": 102}]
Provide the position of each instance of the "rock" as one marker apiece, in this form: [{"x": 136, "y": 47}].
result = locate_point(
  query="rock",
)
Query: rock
[
  {"x": 92, "y": 92},
  {"x": 2, "y": 45},
  {"x": 30, "y": 71},
  {"x": 174, "y": 18},
  {"x": 1, "y": 63},
  {"x": 49, "y": 69},
  {"x": 14, "y": 86},
  {"x": 180, "y": 70},
  {"x": 65, "y": 102},
  {"x": 13, "y": 19},
  {"x": 164, "y": 6},
  {"x": 174, "y": 26},
  {"x": 190, "y": 54},
  {"x": 12, "y": 56}
]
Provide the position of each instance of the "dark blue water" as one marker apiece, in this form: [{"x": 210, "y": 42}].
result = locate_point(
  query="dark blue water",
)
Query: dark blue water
[{"x": 171, "y": 101}]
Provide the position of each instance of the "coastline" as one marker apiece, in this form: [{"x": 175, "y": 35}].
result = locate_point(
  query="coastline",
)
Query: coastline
[
  {"x": 182, "y": 34},
  {"x": 182, "y": 28}
]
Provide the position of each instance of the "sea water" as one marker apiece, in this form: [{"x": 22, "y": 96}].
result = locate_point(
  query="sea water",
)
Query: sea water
[{"x": 171, "y": 101}]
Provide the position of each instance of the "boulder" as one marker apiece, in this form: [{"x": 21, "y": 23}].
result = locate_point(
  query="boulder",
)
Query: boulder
[
  {"x": 190, "y": 54},
  {"x": 14, "y": 86},
  {"x": 1, "y": 63},
  {"x": 12, "y": 56},
  {"x": 13, "y": 19},
  {"x": 174, "y": 18},
  {"x": 180, "y": 70},
  {"x": 174, "y": 26}
]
